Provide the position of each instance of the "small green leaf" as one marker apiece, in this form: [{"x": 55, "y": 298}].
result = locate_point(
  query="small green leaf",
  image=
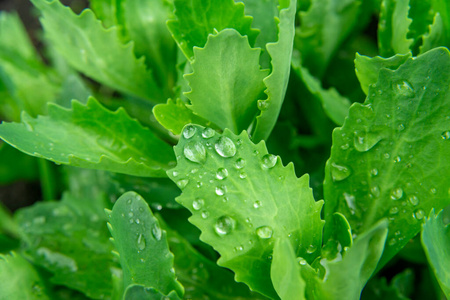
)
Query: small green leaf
[
  {"x": 276, "y": 83},
  {"x": 436, "y": 242},
  {"x": 285, "y": 272},
  {"x": 20, "y": 280},
  {"x": 142, "y": 246},
  {"x": 389, "y": 158},
  {"x": 226, "y": 81},
  {"x": 242, "y": 199},
  {"x": 196, "y": 20},
  {"x": 174, "y": 116},
  {"x": 98, "y": 53},
  {"x": 368, "y": 68},
  {"x": 90, "y": 136},
  {"x": 435, "y": 35},
  {"x": 393, "y": 28},
  {"x": 399, "y": 288}
]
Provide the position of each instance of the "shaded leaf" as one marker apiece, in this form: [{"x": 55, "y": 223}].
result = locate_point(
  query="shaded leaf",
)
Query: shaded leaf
[
  {"x": 15, "y": 165},
  {"x": 435, "y": 35}
]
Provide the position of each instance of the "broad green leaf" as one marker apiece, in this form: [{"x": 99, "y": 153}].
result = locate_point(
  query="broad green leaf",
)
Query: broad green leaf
[
  {"x": 20, "y": 280},
  {"x": 145, "y": 23},
  {"x": 368, "y": 68},
  {"x": 65, "y": 238},
  {"x": 389, "y": 158},
  {"x": 323, "y": 28},
  {"x": 346, "y": 275},
  {"x": 226, "y": 81},
  {"x": 393, "y": 28},
  {"x": 140, "y": 292},
  {"x": 335, "y": 106},
  {"x": 436, "y": 243},
  {"x": 435, "y": 36},
  {"x": 285, "y": 272},
  {"x": 195, "y": 20},
  {"x": 142, "y": 245},
  {"x": 399, "y": 288},
  {"x": 15, "y": 165},
  {"x": 276, "y": 83},
  {"x": 90, "y": 136},
  {"x": 96, "y": 52},
  {"x": 200, "y": 276},
  {"x": 243, "y": 199},
  {"x": 265, "y": 16},
  {"x": 175, "y": 115}
]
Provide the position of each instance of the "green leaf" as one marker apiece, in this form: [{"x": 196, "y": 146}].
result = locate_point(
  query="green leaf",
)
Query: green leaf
[
  {"x": 399, "y": 288},
  {"x": 142, "y": 245},
  {"x": 90, "y": 136},
  {"x": 20, "y": 280},
  {"x": 285, "y": 272},
  {"x": 243, "y": 199},
  {"x": 106, "y": 11},
  {"x": 435, "y": 35},
  {"x": 145, "y": 23},
  {"x": 226, "y": 81},
  {"x": 368, "y": 68},
  {"x": 346, "y": 275},
  {"x": 196, "y": 20},
  {"x": 276, "y": 83},
  {"x": 175, "y": 115},
  {"x": 14, "y": 165},
  {"x": 96, "y": 52},
  {"x": 436, "y": 242},
  {"x": 65, "y": 238},
  {"x": 393, "y": 28},
  {"x": 443, "y": 8},
  {"x": 140, "y": 292},
  {"x": 389, "y": 158},
  {"x": 335, "y": 106},
  {"x": 323, "y": 28}
]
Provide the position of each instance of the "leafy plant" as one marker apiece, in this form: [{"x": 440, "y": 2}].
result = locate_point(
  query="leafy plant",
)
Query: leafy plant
[{"x": 160, "y": 133}]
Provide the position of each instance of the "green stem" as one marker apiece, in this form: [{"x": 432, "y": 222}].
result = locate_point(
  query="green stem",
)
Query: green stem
[{"x": 48, "y": 180}]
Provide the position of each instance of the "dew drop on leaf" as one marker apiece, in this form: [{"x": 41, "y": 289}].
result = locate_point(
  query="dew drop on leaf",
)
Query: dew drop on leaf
[
  {"x": 311, "y": 249},
  {"x": 195, "y": 152},
  {"x": 413, "y": 200},
  {"x": 221, "y": 190},
  {"x": 446, "y": 135},
  {"x": 364, "y": 141},
  {"x": 393, "y": 210},
  {"x": 222, "y": 173},
  {"x": 141, "y": 242},
  {"x": 392, "y": 242},
  {"x": 156, "y": 232},
  {"x": 397, "y": 193},
  {"x": 225, "y": 147},
  {"x": 208, "y": 133},
  {"x": 242, "y": 175},
  {"x": 205, "y": 214},
  {"x": 189, "y": 131},
  {"x": 263, "y": 105},
  {"x": 240, "y": 163},
  {"x": 269, "y": 161},
  {"x": 375, "y": 190},
  {"x": 198, "y": 203},
  {"x": 224, "y": 225},
  {"x": 350, "y": 200},
  {"x": 419, "y": 214},
  {"x": 264, "y": 232},
  {"x": 405, "y": 89},
  {"x": 257, "y": 204},
  {"x": 338, "y": 172},
  {"x": 302, "y": 261},
  {"x": 374, "y": 172},
  {"x": 182, "y": 183}
]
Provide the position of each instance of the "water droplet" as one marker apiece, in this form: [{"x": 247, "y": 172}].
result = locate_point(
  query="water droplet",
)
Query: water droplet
[
  {"x": 419, "y": 214},
  {"x": 222, "y": 173},
  {"x": 345, "y": 146},
  {"x": 302, "y": 261},
  {"x": 397, "y": 159},
  {"x": 393, "y": 210},
  {"x": 195, "y": 152},
  {"x": 311, "y": 249},
  {"x": 242, "y": 175},
  {"x": 392, "y": 242},
  {"x": 338, "y": 172},
  {"x": 433, "y": 191},
  {"x": 141, "y": 242},
  {"x": 446, "y": 135},
  {"x": 224, "y": 225},
  {"x": 225, "y": 147},
  {"x": 264, "y": 232},
  {"x": 220, "y": 191},
  {"x": 130, "y": 214},
  {"x": 257, "y": 204},
  {"x": 401, "y": 127},
  {"x": 175, "y": 173},
  {"x": 208, "y": 133},
  {"x": 364, "y": 141},
  {"x": 240, "y": 163},
  {"x": 182, "y": 183},
  {"x": 375, "y": 190},
  {"x": 269, "y": 161},
  {"x": 413, "y": 200},
  {"x": 205, "y": 214},
  {"x": 263, "y": 104},
  {"x": 397, "y": 194},
  {"x": 405, "y": 89},
  {"x": 374, "y": 172},
  {"x": 350, "y": 200},
  {"x": 189, "y": 131},
  {"x": 198, "y": 203},
  {"x": 156, "y": 232}
]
